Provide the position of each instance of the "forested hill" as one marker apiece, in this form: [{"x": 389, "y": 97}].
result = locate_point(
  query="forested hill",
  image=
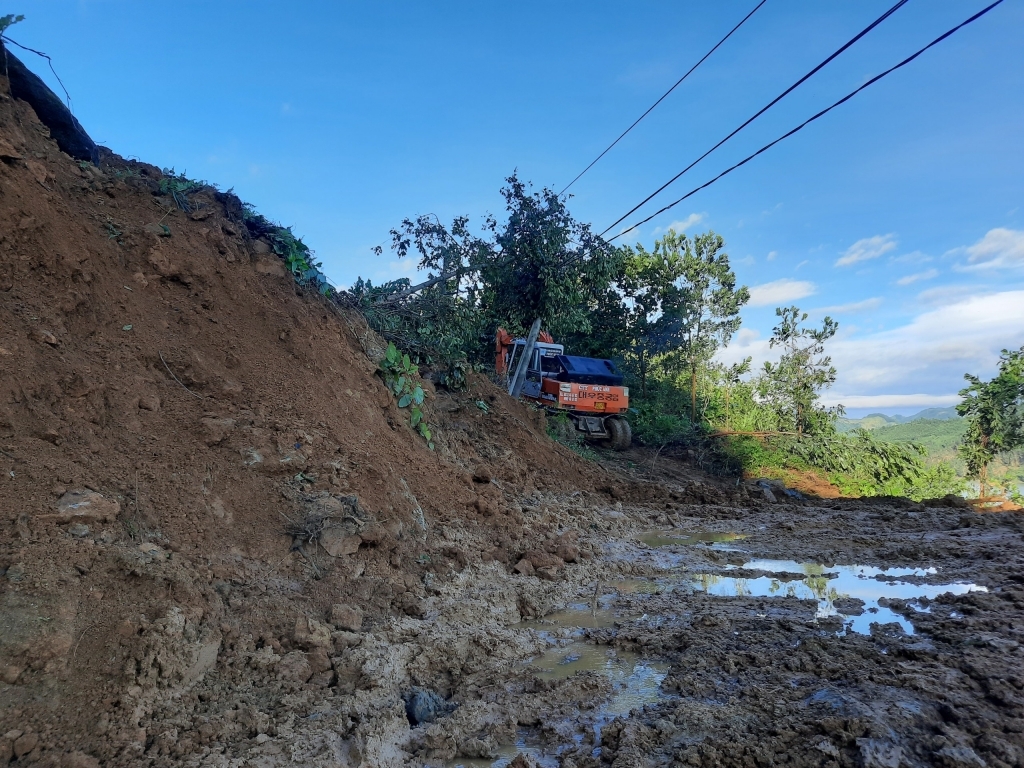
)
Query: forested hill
[{"x": 881, "y": 420}]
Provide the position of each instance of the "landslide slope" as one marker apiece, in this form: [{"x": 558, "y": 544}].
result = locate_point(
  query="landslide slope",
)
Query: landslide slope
[{"x": 170, "y": 401}]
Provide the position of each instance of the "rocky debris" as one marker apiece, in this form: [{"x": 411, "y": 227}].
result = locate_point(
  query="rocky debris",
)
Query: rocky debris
[
  {"x": 523, "y": 760},
  {"x": 294, "y": 666},
  {"x": 338, "y": 543},
  {"x": 425, "y": 706},
  {"x": 524, "y": 567},
  {"x": 310, "y": 633},
  {"x": 346, "y": 617},
  {"x": 79, "y": 760},
  {"x": 83, "y": 506}
]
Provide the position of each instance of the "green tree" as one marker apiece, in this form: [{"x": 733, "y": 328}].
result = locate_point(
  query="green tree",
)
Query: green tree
[
  {"x": 537, "y": 262},
  {"x": 647, "y": 291},
  {"x": 791, "y": 386},
  {"x": 706, "y": 305},
  {"x": 995, "y": 415}
]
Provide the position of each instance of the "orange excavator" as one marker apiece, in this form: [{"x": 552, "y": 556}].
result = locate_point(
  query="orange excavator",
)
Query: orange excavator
[{"x": 586, "y": 389}]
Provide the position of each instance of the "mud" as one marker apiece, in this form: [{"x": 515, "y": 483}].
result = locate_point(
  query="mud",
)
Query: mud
[{"x": 174, "y": 409}]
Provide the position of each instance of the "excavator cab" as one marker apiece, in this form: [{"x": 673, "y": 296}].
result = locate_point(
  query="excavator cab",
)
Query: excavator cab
[{"x": 588, "y": 390}]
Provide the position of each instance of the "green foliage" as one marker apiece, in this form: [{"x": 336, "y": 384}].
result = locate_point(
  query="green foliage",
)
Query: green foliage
[
  {"x": 791, "y": 386},
  {"x": 401, "y": 376},
  {"x": 181, "y": 188},
  {"x": 994, "y": 411},
  {"x": 296, "y": 254},
  {"x": 456, "y": 377},
  {"x": 538, "y": 262},
  {"x": 561, "y": 429},
  {"x": 9, "y": 20}
]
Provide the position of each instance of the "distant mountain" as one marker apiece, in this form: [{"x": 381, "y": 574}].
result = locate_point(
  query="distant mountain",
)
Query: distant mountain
[{"x": 879, "y": 420}]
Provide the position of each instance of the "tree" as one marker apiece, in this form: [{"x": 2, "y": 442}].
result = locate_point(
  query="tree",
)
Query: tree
[
  {"x": 647, "y": 291},
  {"x": 538, "y": 262},
  {"x": 543, "y": 264},
  {"x": 705, "y": 307},
  {"x": 791, "y": 386},
  {"x": 995, "y": 415}
]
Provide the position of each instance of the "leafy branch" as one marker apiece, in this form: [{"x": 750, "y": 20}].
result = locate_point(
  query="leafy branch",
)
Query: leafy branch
[{"x": 401, "y": 376}]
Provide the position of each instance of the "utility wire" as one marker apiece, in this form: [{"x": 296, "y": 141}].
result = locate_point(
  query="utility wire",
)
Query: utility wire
[
  {"x": 651, "y": 108},
  {"x": 810, "y": 120},
  {"x": 760, "y": 112}
]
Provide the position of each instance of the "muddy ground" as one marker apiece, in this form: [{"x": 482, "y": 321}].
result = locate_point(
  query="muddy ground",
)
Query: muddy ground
[
  {"x": 684, "y": 633},
  {"x": 222, "y": 544}
]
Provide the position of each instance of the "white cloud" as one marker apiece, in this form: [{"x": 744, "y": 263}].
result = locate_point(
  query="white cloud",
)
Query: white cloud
[
  {"x": 928, "y": 274},
  {"x": 682, "y": 225},
  {"x": 936, "y": 348},
  {"x": 890, "y": 401},
  {"x": 944, "y": 294},
  {"x": 929, "y": 355},
  {"x": 778, "y": 292},
  {"x": 771, "y": 255},
  {"x": 868, "y": 248},
  {"x": 914, "y": 257},
  {"x": 999, "y": 247},
  {"x": 848, "y": 309}
]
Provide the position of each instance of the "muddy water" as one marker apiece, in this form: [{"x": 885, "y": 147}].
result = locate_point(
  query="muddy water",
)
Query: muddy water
[
  {"x": 687, "y": 538},
  {"x": 828, "y": 585},
  {"x": 825, "y": 584}
]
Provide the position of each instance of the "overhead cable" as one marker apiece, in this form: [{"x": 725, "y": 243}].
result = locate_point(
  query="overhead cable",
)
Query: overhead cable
[
  {"x": 651, "y": 108},
  {"x": 810, "y": 120},
  {"x": 761, "y": 111}
]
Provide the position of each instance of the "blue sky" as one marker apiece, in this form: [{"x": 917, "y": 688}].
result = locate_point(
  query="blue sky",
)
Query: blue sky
[{"x": 901, "y": 213}]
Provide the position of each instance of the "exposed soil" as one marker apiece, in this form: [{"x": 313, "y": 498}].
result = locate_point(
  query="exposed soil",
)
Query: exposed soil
[{"x": 221, "y": 543}]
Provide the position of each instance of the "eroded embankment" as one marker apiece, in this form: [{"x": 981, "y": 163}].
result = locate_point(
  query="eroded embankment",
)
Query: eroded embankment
[{"x": 171, "y": 404}]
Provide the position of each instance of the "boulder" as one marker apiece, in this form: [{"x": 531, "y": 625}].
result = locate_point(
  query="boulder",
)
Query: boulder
[
  {"x": 524, "y": 567},
  {"x": 346, "y": 617},
  {"x": 82, "y": 506},
  {"x": 294, "y": 667},
  {"x": 425, "y": 706},
  {"x": 337, "y": 542},
  {"x": 310, "y": 633}
]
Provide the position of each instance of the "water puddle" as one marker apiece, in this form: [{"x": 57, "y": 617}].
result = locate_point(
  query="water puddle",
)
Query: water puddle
[
  {"x": 829, "y": 585},
  {"x": 677, "y": 537},
  {"x": 505, "y": 755}
]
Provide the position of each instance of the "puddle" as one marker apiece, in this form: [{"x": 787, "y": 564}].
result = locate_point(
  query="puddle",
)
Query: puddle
[
  {"x": 505, "y": 755},
  {"x": 676, "y": 537},
  {"x": 827, "y": 585}
]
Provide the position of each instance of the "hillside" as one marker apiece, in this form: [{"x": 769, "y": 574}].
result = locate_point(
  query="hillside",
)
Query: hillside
[{"x": 880, "y": 420}]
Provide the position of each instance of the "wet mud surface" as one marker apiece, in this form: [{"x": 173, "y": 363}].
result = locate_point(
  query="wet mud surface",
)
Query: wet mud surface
[{"x": 865, "y": 635}]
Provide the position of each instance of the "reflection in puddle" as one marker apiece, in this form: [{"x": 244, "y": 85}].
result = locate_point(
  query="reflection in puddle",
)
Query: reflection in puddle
[
  {"x": 676, "y": 537},
  {"x": 830, "y": 584},
  {"x": 505, "y": 755},
  {"x": 636, "y": 681}
]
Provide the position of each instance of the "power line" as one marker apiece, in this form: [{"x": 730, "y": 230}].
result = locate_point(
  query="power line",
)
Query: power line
[
  {"x": 810, "y": 120},
  {"x": 760, "y": 112},
  {"x": 649, "y": 109}
]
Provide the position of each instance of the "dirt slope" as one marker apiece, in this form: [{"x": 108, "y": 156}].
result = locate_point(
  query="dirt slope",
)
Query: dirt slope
[{"x": 169, "y": 400}]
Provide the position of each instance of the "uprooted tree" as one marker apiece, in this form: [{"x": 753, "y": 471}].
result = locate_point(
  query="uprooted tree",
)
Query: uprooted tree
[{"x": 538, "y": 262}]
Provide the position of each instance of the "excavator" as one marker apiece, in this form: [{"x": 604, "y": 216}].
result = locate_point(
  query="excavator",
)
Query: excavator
[{"x": 588, "y": 390}]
